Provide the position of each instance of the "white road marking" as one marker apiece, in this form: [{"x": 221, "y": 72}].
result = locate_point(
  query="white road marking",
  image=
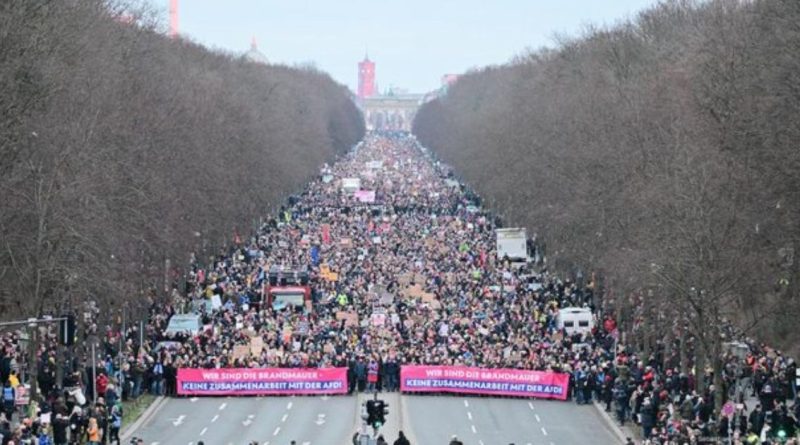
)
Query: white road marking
[
  {"x": 320, "y": 419},
  {"x": 193, "y": 399},
  {"x": 289, "y": 406},
  {"x": 530, "y": 404},
  {"x": 214, "y": 419},
  {"x": 191, "y": 443},
  {"x": 179, "y": 420},
  {"x": 285, "y": 416},
  {"x": 154, "y": 443},
  {"x": 480, "y": 442},
  {"x": 474, "y": 431},
  {"x": 203, "y": 431},
  {"x": 538, "y": 419},
  {"x": 544, "y": 431},
  {"x": 247, "y": 422},
  {"x": 466, "y": 403},
  {"x": 469, "y": 415},
  {"x": 221, "y": 407},
  {"x": 325, "y": 398},
  {"x": 306, "y": 443},
  {"x": 277, "y": 430}
]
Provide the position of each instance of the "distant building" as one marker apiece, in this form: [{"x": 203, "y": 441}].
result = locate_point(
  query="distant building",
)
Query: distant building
[
  {"x": 366, "y": 78},
  {"x": 254, "y": 55},
  {"x": 390, "y": 112},
  {"x": 393, "y": 110}
]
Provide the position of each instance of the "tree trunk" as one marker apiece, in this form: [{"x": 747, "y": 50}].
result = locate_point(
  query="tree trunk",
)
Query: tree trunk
[
  {"x": 684, "y": 351},
  {"x": 719, "y": 394},
  {"x": 667, "y": 356},
  {"x": 699, "y": 368}
]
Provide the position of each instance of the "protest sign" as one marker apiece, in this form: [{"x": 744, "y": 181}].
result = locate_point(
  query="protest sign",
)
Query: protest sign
[
  {"x": 256, "y": 346},
  {"x": 263, "y": 381},
  {"x": 467, "y": 380},
  {"x": 240, "y": 351},
  {"x": 350, "y": 318}
]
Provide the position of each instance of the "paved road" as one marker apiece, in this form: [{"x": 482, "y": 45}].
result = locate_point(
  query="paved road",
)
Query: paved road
[
  {"x": 239, "y": 421},
  {"x": 429, "y": 420},
  {"x": 485, "y": 421}
]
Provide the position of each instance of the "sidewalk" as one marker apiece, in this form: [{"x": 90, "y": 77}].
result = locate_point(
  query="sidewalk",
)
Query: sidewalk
[
  {"x": 621, "y": 431},
  {"x": 630, "y": 429},
  {"x": 147, "y": 414}
]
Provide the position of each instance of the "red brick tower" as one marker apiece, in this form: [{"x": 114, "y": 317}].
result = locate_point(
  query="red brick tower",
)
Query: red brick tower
[
  {"x": 366, "y": 78},
  {"x": 173, "y": 18}
]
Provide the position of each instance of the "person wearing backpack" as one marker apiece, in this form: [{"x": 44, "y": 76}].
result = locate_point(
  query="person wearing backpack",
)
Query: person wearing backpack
[{"x": 115, "y": 424}]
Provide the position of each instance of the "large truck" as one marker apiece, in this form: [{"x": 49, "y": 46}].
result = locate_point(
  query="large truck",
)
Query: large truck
[
  {"x": 513, "y": 243},
  {"x": 288, "y": 288}
]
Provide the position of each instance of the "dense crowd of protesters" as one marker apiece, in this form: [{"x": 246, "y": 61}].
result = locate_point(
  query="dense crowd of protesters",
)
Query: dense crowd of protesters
[{"x": 406, "y": 275}]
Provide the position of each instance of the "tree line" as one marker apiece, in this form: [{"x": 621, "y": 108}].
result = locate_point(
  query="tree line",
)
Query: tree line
[
  {"x": 661, "y": 154},
  {"x": 123, "y": 151}
]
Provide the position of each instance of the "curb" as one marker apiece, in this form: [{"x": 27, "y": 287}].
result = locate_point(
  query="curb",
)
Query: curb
[
  {"x": 143, "y": 418},
  {"x": 621, "y": 435}
]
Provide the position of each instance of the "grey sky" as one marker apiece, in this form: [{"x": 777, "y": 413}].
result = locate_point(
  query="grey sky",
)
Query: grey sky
[{"x": 413, "y": 42}]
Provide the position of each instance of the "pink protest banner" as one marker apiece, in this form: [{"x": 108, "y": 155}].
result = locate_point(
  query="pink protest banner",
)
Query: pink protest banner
[
  {"x": 498, "y": 382},
  {"x": 261, "y": 381},
  {"x": 367, "y": 196}
]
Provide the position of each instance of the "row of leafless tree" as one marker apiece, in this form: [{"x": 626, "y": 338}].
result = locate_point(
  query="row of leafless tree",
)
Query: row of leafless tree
[
  {"x": 662, "y": 153},
  {"x": 123, "y": 151}
]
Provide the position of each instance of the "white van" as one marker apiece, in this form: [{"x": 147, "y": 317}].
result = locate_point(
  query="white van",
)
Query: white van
[{"x": 575, "y": 319}]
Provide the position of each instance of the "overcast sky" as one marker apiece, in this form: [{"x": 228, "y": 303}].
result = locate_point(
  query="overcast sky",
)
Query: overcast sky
[{"x": 413, "y": 42}]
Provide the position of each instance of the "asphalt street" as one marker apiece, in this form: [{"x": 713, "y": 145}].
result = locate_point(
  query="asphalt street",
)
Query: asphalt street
[
  {"x": 428, "y": 420},
  {"x": 488, "y": 421},
  {"x": 238, "y": 421}
]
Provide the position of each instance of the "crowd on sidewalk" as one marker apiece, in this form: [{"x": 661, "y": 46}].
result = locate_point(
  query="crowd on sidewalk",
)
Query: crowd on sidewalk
[{"x": 403, "y": 272}]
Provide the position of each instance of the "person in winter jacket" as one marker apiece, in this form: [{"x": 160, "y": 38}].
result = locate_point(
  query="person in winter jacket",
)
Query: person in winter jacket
[
  {"x": 93, "y": 432},
  {"x": 372, "y": 376},
  {"x": 60, "y": 427},
  {"x": 76, "y": 425},
  {"x": 115, "y": 423},
  {"x": 8, "y": 400},
  {"x": 401, "y": 440}
]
